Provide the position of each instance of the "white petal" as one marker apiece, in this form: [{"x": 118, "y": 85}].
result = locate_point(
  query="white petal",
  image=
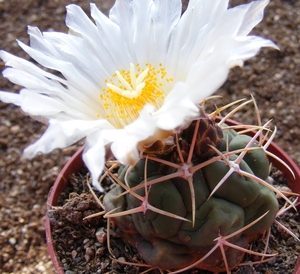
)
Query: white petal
[
  {"x": 125, "y": 146},
  {"x": 146, "y": 25},
  {"x": 195, "y": 24},
  {"x": 222, "y": 24},
  {"x": 255, "y": 12},
  {"x": 69, "y": 71},
  {"x": 112, "y": 40},
  {"x": 94, "y": 153},
  {"x": 79, "y": 23},
  {"x": 165, "y": 16},
  {"x": 60, "y": 134},
  {"x": 76, "y": 50},
  {"x": 30, "y": 80},
  {"x": 40, "y": 105},
  {"x": 247, "y": 47},
  {"x": 177, "y": 109},
  {"x": 94, "y": 39},
  {"x": 43, "y": 94},
  {"x": 26, "y": 74},
  {"x": 94, "y": 159},
  {"x": 134, "y": 19},
  {"x": 207, "y": 76},
  {"x": 121, "y": 13},
  {"x": 10, "y": 98},
  {"x": 48, "y": 56}
]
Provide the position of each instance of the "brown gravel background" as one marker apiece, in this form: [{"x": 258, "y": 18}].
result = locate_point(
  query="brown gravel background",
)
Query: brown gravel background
[{"x": 273, "y": 78}]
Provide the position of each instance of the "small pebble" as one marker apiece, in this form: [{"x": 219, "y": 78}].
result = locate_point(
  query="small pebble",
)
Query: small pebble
[
  {"x": 290, "y": 242},
  {"x": 90, "y": 251},
  {"x": 74, "y": 254},
  {"x": 101, "y": 235},
  {"x": 85, "y": 241},
  {"x": 100, "y": 251},
  {"x": 12, "y": 241},
  {"x": 15, "y": 129},
  {"x": 77, "y": 260},
  {"x": 70, "y": 272},
  {"x": 121, "y": 259}
]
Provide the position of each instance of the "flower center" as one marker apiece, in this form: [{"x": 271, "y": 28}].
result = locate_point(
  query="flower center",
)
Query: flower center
[{"x": 128, "y": 91}]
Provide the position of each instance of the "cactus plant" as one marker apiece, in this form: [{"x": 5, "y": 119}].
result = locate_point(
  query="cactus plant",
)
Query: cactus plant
[{"x": 198, "y": 203}]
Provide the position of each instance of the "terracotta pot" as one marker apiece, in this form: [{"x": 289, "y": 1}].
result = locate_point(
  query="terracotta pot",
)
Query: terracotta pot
[
  {"x": 72, "y": 166},
  {"x": 76, "y": 163}
]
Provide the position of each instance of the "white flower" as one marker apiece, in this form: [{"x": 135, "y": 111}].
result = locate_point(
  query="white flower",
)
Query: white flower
[{"x": 132, "y": 78}]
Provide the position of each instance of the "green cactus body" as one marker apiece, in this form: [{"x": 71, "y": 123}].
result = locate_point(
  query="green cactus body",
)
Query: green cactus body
[{"x": 170, "y": 243}]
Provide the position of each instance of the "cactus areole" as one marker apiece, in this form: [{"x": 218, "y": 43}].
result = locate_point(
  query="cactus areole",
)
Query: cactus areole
[{"x": 199, "y": 204}]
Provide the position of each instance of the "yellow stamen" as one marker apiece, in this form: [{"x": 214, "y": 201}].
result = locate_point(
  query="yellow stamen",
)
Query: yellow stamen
[{"x": 128, "y": 91}]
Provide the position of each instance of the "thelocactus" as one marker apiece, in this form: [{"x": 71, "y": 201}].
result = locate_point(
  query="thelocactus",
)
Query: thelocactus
[{"x": 200, "y": 204}]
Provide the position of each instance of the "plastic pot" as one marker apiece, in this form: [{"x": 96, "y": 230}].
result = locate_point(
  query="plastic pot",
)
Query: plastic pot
[{"x": 76, "y": 163}]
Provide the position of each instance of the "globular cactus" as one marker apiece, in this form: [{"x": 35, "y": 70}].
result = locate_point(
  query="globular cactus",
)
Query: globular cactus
[{"x": 199, "y": 205}]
